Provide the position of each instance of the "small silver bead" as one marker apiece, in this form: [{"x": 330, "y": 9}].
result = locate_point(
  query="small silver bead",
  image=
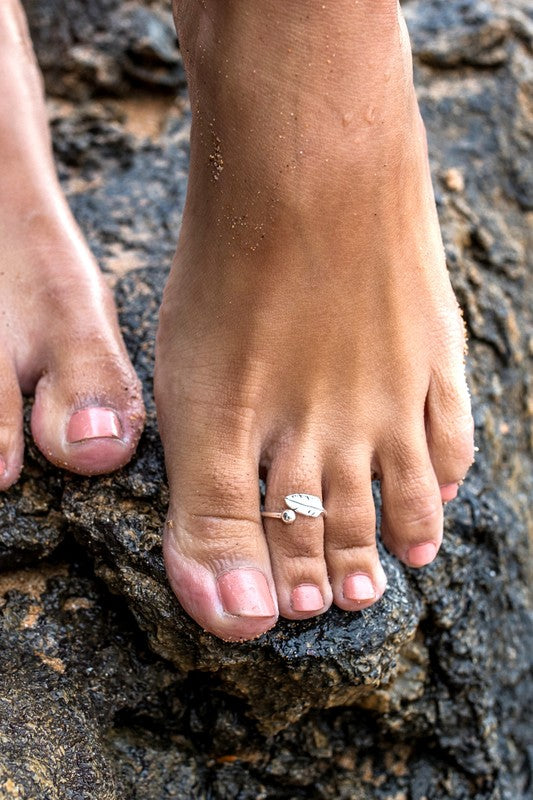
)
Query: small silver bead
[{"x": 288, "y": 516}]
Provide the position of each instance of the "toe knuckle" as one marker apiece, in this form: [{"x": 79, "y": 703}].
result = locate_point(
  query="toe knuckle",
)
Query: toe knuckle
[
  {"x": 462, "y": 447},
  {"x": 305, "y": 558},
  {"x": 456, "y": 444},
  {"x": 360, "y": 534},
  {"x": 420, "y": 510},
  {"x": 352, "y": 524},
  {"x": 448, "y": 375},
  {"x": 451, "y": 332},
  {"x": 209, "y": 522}
]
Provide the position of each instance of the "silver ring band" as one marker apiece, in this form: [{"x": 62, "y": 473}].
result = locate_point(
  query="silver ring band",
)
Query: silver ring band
[{"x": 308, "y": 505}]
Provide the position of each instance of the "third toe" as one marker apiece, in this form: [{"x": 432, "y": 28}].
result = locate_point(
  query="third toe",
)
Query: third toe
[{"x": 355, "y": 571}]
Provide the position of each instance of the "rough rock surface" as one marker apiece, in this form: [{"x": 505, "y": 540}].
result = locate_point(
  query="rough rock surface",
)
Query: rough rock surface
[
  {"x": 427, "y": 695},
  {"x": 104, "y": 46}
]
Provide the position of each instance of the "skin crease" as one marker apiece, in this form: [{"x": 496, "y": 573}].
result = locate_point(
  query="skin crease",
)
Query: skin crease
[
  {"x": 308, "y": 315},
  {"x": 308, "y": 328}
]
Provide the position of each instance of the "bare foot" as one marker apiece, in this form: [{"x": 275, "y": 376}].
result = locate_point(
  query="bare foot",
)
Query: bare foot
[
  {"x": 59, "y": 336},
  {"x": 308, "y": 327}
]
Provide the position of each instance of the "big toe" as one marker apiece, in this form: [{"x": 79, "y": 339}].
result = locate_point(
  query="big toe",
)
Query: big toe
[
  {"x": 215, "y": 551},
  {"x": 88, "y": 412}
]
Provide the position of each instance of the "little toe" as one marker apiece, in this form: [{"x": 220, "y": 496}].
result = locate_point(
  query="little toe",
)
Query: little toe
[
  {"x": 297, "y": 548},
  {"x": 355, "y": 571},
  {"x": 11, "y": 436},
  {"x": 450, "y": 431},
  {"x": 88, "y": 413},
  {"x": 411, "y": 520}
]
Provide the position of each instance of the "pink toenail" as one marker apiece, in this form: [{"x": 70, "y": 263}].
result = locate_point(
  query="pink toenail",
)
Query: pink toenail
[
  {"x": 449, "y": 492},
  {"x": 307, "y": 597},
  {"x": 3, "y": 466},
  {"x": 358, "y": 587},
  {"x": 421, "y": 554},
  {"x": 245, "y": 593},
  {"x": 93, "y": 423}
]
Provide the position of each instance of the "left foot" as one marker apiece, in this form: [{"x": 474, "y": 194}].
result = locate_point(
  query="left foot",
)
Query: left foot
[
  {"x": 59, "y": 333},
  {"x": 308, "y": 325}
]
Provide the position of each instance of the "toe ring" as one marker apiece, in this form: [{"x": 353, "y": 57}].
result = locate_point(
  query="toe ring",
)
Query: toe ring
[{"x": 306, "y": 504}]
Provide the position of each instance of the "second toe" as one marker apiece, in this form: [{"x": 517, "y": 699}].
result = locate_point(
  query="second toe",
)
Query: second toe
[{"x": 297, "y": 549}]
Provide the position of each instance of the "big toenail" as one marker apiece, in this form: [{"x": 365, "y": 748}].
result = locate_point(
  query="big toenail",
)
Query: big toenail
[
  {"x": 3, "y": 466},
  {"x": 307, "y": 597},
  {"x": 358, "y": 587},
  {"x": 93, "y": 423},
  {"x": 449, "y": 492},
  {"x": 421, "y": 554},
  {"x": 245, "y": 593}
]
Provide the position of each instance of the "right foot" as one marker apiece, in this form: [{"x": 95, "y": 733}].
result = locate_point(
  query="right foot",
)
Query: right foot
[
  {"x": 59, "y": 335},
  {"x": 308, "y": 326}
]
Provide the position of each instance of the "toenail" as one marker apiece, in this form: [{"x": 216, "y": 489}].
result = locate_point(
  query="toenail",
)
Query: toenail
[
  {"x": 358, "y": 587},
  {"x": 449, "y": 492},
  {"x": 245, "y": 593},
  {"x": 421, "y": 554},
  {"x": 93, "y": 423},
  {"x": 307, "y": 597},
  {"x": 3, "y": 466}
]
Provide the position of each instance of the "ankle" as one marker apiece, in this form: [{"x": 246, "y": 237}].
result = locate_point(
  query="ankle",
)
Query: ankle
[{"x": 278, "y": 94}]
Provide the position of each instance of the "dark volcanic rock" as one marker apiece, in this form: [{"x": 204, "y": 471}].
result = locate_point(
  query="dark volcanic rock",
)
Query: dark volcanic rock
[
  {"x": 104, "y": 46},
  {"x": 451, "y": 33},
  {"x": 427, "y": 695},
  {"x": 87, "y": 712},
  {"x": 31, "y": 524},
  {"x": 72, "y": 665}
]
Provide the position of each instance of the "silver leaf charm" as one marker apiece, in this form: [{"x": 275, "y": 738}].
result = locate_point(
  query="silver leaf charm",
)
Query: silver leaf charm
[{"x": 307, "y": 504}]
